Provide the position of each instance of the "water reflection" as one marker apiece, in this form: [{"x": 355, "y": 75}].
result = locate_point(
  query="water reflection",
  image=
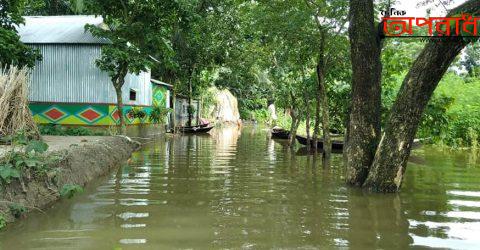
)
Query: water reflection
[{"x": 237, "y": 188}]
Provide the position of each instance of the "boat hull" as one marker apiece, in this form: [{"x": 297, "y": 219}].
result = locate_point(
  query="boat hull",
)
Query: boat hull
[
  {"x": 336, "y": 145},
  {"x": 280, "y": 134},
  {"x": 195, "y": 129}
]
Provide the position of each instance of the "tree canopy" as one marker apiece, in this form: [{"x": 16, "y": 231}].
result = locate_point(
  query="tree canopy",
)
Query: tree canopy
[{"x": 12, "y": 51}]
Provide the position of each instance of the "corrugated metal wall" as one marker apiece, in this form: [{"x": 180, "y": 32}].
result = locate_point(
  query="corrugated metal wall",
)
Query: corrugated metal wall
[
  {"x": 68, "y": 73},
  {"x": 181, "y": 111}
]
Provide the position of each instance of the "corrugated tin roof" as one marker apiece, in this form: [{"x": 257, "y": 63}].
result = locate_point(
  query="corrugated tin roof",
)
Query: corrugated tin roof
[
  {"x": 161, "y": 83},
  {"x": 59, "y": 29}
]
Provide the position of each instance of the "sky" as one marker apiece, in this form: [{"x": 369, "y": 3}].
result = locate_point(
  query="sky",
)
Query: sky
[{"x": 414, "y": 10}]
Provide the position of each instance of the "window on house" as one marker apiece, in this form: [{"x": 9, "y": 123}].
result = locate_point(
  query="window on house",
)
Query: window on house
[{"x": 133, "y": 95}]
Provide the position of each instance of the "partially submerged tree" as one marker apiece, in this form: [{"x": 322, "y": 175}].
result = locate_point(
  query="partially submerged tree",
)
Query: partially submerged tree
[
  {"x": 135, "y": 30},
  {"x": 306, "y": 37},
  {"x": 363, "y": 131},
  {"x": 381, "y": 167},
  {"x": 389, "y": 165},
  {"x": 200, "y": 38}
]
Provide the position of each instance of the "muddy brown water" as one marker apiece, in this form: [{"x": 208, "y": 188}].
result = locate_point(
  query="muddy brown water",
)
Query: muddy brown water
[{"x": 239, "y": 189}]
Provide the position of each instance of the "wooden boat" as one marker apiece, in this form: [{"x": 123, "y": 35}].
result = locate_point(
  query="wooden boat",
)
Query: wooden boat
[
  {"x": 195, "y": 129},
  {"x": 280, "y": 133},
  {"x": 336, "y": 145}
]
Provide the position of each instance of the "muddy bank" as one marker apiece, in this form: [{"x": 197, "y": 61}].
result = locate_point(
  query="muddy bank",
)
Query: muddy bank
[{"x": 78, "y": 160}]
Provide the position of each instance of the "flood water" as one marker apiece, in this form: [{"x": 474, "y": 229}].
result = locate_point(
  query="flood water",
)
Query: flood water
[{"x": 240, "y": 189}]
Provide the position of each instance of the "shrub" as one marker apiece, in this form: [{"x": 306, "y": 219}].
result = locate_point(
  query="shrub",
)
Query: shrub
[
  {"x": 17, "y": 210},
  {"x": 3, "y": 222},
  {"x": 78, "y": 131},
  {"x": 137, "y": 113},
  {"x": 159, "y": 114},
  {"x": 51, "y": 129},
  {"x": 191, "y": 109},
  {"x": 32, "y": 159},
  {"x": 260, "y": 115},
  {"x": 54, "y": 129},
  {"x": 69, "y": 190}
]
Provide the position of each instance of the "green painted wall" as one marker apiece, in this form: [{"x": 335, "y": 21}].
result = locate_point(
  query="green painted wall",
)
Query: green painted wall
[{"x": 92, "y": 114}]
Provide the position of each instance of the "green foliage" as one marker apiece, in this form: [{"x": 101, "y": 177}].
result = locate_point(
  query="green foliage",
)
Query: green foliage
[
  {"x": 463, "y": 113},
  {"x": 159, "y": 114},
  {"x": 202, "y": 37},
  {"x": 191, "y": 109},
  {"x": 260, "y": 115},
  {"x": 136, "y": 29},
  {"x": 70, "y": 190},
  {"x": 471, "y": 61},
  {"x": 17, "y": 210},
  {"x": 32, "y": 159},
  {"x": 338, "y": 103},
  {"x": 435, "y": 119},
  {"x": 12, "y": 51},
  {"x": 54, "y": 7},
  {"x": 8, "y": 172},
  {"x": 51, "y": 129},
  {"x": 452, "y": 117},
  {"x": 81, "y": 131},
  {"x": 18, "y": 161},
  {"x": 36, "y": 147},
  {"x": 3, "y": 222},
  {"x": 20, "y": 138},
  {"x": 276, "y": 54},
  {"x": 137, "y": 113},
  {"x": 54, "y": 129}
]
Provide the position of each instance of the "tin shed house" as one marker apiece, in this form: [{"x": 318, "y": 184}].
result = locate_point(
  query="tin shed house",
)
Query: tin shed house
[{"x": 67, "y": 88}]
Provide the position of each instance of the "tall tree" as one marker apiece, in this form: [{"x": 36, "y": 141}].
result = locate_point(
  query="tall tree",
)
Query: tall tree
[
  {"x": 201, "y": 37},
  {"x": 135, "y": 30},
  {"x": 389, "y": 165},
  {"x": 363, "y": 131},
  {"x": 302, "y": 36},
  {"x": 330, "y": 19},
  {"x": 381, "y": 167}
]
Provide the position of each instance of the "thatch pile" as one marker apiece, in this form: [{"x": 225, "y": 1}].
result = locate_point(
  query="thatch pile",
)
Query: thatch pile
[{"x": 15, "y": 115}]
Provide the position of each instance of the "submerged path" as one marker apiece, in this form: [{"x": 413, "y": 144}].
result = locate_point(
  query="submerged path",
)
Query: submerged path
[{"x": 240, "y": 189}]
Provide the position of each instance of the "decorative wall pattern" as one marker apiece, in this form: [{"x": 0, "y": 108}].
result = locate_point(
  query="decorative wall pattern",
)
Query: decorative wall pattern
[
  {"x": 159, "y": 94},
  {"x": 83, "y": 114},
  {"x": 91, "y": 114}
]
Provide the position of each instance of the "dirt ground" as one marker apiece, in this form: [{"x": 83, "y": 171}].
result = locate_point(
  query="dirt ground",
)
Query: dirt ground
[
  {"x": 56, "y": 143},
  {"x": 79, "y": 161}
]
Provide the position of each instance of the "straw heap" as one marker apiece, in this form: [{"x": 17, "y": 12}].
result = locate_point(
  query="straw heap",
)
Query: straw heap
[{"x": 15, "y": 115}]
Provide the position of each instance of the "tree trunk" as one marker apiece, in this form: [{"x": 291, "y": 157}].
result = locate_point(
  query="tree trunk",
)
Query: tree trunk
[
  {"x": 190, "y": 106},
  {"x": 122, "y": 125},
  {"x": 387, "y": 171},
  {"x": 364, "y": 126},
  {"x": 174, "y": 110},
  {"x": 307, "y": 122},
  {"x": 388, "y": 168},
  {"x": 293, "y": 129},
  {"x": 322, "y": 92},
  {"x": 316, "y": 128},
  {"x": 118, "y": 82},
  {"x": 295, "y": 121}
]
